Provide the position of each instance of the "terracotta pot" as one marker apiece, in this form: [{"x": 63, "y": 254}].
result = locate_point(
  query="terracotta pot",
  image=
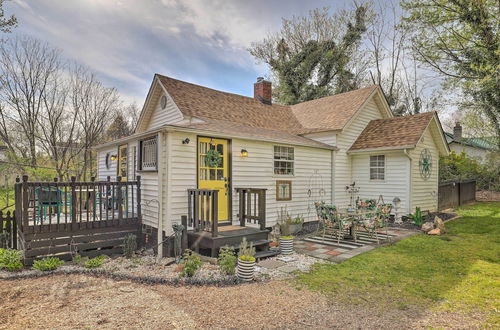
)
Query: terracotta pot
[
  {"x": 286, "y": 245},
  {"x": 245, "y": 270}
]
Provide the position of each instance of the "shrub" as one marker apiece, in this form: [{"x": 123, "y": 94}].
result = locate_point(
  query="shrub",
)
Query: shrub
[
  {"x": 95, "y": 262},
  {"x": 227, "y": 260},
  {"x": 77, "y": 259},
  {"x": 11, "y": 260},
  {"x": 417, "y": 218},
  {"x": 129, "y": 245},
  {"x": 192, "y": 262},
  {"x": 298, "y": 220},
  {"x": 47, "y": 264},
  {"x": 246, "y": 250}
]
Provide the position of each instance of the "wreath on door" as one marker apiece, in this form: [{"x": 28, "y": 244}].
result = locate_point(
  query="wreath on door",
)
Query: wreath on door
[{"x": 213, "y": 158}]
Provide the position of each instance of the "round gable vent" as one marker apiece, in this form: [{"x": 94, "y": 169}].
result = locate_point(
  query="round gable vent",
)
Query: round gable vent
[{"x": 163, "y": 102}]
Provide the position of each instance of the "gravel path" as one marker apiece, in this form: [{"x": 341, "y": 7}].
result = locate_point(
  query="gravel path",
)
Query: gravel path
[{"x": 82, "y": 302}]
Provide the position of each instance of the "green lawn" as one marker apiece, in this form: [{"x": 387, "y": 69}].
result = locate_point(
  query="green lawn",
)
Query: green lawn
[{"x": 458, "y": 271}]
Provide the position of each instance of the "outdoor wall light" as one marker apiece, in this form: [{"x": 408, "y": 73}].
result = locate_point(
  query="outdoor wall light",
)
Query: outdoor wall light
[
  {"x": 397, "y": 204},
  {"x": 113, "y": 157},
  {"x": 244, "y": 153},
  {"x": 185, "y": 141}
]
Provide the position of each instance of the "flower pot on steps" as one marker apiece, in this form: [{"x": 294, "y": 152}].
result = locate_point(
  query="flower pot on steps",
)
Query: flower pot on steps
[
  {"x": 286, "y": 245},
  {"x": 245, "y": 269}
]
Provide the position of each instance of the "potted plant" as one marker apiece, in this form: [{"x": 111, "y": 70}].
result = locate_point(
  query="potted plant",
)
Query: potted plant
[
  {"x": 296, "y": 224},
  {"x": 246, "y": 261},
  {"x": 286, "y": 238}
]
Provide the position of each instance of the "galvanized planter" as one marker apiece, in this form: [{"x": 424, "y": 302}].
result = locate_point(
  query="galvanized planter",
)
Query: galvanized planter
[
  {"x": 286, "y": 245},
  {"x": 245, "y": 270}
]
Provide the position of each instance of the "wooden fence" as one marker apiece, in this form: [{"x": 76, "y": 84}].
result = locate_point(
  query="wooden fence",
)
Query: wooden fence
[
  {"x": 8, "y": 230},
  {"x": 68, "y": 218},
  {"x": 454, "y": 193}
]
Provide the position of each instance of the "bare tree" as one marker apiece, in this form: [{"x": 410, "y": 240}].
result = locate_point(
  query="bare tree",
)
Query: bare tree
[
  {"x": 95, "y": 105},
  {"x": 28, "y": 69},
  {"x": 394, "y": 66},
  {"x": 58, "y": 127}
]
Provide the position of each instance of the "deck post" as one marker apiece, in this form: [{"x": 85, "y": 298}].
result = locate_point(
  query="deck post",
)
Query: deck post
[
  {"x": 184, "y": 238},
  {"x": 73, "y": 202},
  {"x": 262, "y": 209},
  {"x": 25, "y": 203},
  {"x": 242, "y": 207},
  {"x": 215, "y": 213},
  {"x": 119, "y": 199},
  {"x": 17, "y": 211},
  {"x": 138, "y": 210}
]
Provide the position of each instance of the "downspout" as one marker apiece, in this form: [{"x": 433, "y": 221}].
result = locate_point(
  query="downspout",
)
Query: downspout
[
  {"x": 160, "y": 163},
  {"x": 332, "y": 179},
  {"x": 409, "y": 179}
]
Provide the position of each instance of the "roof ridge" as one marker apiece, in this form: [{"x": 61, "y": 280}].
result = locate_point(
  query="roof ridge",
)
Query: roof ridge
[
  {"x": 339, "y": 94},
  {"x": 219, "y": 91}
]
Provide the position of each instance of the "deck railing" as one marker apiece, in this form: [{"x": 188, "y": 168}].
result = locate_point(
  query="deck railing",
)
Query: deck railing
[
  {"x": 8, "y": 230},
  {"x": 252, "y": 206},
  {"x": 203, "y": 210},
  {"x": 64, "y": 206}
]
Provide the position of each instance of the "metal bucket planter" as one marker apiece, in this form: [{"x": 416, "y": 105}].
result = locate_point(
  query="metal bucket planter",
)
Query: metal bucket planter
[
  {"x": 286, "y": 245},
  {"x": 245, "y": 270}
]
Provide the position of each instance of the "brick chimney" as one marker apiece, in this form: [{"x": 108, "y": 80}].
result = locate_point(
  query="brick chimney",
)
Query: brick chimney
[
  {"x": 262, "y": 91},
  {"x": 457, "y": 132}
]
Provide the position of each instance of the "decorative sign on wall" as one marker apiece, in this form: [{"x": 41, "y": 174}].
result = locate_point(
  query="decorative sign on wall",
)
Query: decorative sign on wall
[
  {"x": 283, "y": 190},
  {"x": 163, "y": 102},
  {"x": 425, "y": 164},
  {"x": 108, "y": 160}
]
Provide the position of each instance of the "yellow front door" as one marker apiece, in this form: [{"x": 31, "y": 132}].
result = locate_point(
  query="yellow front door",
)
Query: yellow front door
[
  {"x": 214, "y": 176},
  {"x": 123, "y": 162}
]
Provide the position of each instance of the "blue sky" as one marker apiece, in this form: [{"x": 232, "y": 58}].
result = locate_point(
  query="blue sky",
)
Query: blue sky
[{"x": 126, "y": 41}]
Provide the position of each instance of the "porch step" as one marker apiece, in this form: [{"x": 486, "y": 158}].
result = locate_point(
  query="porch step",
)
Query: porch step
[
  {"x": 256, "y": 243},
  {"x": 266, "y": 254}
]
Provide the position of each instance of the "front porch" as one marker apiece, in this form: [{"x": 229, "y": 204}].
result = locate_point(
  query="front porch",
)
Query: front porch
[{"x": 206, "y": 235}]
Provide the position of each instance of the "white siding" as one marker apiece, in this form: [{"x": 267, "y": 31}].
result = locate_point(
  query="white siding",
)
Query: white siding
[
  {"x": 182, "y": 177},
  {"x": 325, "y": 137},
  {"x": 396, "y": 183},
  {"x": 345, "y": 139},
  {"x": 424, "y": 192},
  {"x": 102, "y": 171},
  {"x": 312, "y": 169},
  {"x": 159, "y": 117},
  {"x": 149, "y": 180}
]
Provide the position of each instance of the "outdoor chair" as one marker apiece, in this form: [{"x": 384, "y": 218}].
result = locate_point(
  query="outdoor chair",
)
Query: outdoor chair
[
  {"x": 47, "y": 199},
  {"x": 378, "y": 222},
  {"x": 330, "y": 221}
]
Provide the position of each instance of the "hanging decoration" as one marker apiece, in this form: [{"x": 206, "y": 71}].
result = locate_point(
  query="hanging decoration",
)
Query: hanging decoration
[
  {"x": 213, "y": 158},
  {"x": 425, "y": 164}
]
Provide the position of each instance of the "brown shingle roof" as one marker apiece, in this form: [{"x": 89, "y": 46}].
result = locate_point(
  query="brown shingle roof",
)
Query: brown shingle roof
[
  {"x": 328, "y": 113},
  {"x": 393, "y": 132},
  {"x": 244, "y": 131},
  {"x": 203, "y": 102},
  {"x": 331, "y": 112}
]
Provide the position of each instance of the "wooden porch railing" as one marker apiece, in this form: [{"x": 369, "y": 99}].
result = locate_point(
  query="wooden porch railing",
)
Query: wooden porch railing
[
  {"x": 252, "y": 206},
  {"x": 65, "y": 206},
  {"x": 8, "y": 230},
  {"x": 203, "y": 210}
]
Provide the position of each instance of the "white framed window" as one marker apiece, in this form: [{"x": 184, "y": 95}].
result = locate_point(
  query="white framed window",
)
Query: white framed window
[
  {"x": 283, "y": 160},
  {"x": 148, "y": 158},
  {"x": 377, "y": 167}
]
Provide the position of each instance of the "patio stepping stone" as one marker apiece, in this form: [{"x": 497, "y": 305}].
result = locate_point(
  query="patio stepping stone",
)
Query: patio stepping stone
[{"x": 271, "y": 264}]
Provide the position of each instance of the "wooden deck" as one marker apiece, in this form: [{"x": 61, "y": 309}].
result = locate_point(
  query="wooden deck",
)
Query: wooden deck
[{"x": 228, "y": 236}]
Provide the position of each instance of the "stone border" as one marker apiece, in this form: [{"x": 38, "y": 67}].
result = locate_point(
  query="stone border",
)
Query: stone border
[{"x": 149, "y": 280}]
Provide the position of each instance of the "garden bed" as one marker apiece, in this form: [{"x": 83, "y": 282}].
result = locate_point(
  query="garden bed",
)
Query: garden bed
[{"x": 146, "y": 269}]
